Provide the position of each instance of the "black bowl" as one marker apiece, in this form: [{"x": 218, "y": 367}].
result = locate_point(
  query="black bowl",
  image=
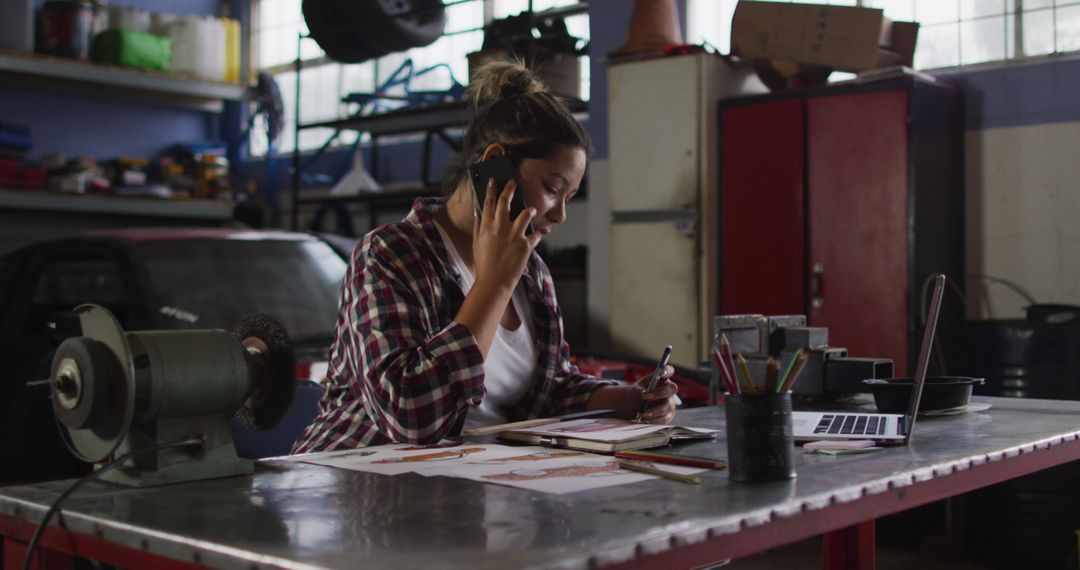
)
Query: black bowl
[{"x": 892, "y": 395}]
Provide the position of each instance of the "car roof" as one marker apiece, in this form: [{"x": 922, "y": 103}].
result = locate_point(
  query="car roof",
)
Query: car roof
[{"x": 137, "y": 235}]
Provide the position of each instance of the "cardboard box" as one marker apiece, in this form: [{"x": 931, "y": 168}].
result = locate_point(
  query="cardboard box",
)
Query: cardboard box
[
  {"x": 902, "y": 38},
  {"x": 838, "y": 37},
  {"x": 561, "y": 72}
]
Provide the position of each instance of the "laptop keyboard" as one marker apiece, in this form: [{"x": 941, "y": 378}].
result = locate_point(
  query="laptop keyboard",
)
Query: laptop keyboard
[{"x": 850, "y": 425}]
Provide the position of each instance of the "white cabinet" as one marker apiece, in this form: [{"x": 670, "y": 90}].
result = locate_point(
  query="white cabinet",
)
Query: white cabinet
[{"x": 663, "y": 158}]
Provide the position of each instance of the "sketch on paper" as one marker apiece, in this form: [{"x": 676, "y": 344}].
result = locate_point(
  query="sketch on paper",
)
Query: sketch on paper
[
  {"x": 559, "y": 474},
  {"x": 434, "y": 456},
  {"x": 577, "y": 470},
  {"x": 536, "y": 468},
  {"x": 395, "y": 458},
  {"x": 534, "y": 456}
]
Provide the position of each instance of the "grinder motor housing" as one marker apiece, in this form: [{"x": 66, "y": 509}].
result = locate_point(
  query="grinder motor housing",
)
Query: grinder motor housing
[{"x": 117, "y": 392}]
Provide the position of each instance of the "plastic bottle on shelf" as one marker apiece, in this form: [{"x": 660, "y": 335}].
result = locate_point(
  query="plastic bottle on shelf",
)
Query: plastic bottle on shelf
[
  {"x": 213, "y": 57},
  {"x": 100, "y": 17},
  {"x": 184, "y": 37},
  {"x": 129, "y": 18},
  {"x": 160, "y": 23},
  {"x": 198, "y": 44},
  {"x": 232, "y": 50},
  {"x": 64, "y": 28}
]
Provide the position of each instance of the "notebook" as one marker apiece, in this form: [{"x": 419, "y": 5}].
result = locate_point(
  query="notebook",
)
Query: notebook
[
  {"x": 885, "y": 428},
  {"x": 605, "y": 435}
]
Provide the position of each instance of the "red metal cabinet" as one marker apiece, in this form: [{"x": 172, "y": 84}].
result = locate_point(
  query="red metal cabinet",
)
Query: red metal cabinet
[
  {"x": 763, "y": 157},
  {"x": 857, "y": 214},
  {"x": 825, "y": 200}
]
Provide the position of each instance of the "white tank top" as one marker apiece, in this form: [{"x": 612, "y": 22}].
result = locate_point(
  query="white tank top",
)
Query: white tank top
[{"x": 510, "y": 365}]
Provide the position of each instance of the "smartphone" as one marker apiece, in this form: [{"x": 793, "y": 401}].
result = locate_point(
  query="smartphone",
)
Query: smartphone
[{"x": 501, "y": 169}]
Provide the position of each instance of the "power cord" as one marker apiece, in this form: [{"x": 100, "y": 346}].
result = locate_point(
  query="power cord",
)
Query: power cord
[
  {"x": 1011, "y": 285},
  {"x": 924, "y": 298},
  {"x": 55, "y": 508}
]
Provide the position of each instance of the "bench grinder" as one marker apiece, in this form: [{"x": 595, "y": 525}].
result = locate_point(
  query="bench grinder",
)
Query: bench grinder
[{"x": 117, "y": 392}]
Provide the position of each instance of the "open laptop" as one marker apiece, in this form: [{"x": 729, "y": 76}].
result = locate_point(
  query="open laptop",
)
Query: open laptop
[{"x": 884, "y": 428}]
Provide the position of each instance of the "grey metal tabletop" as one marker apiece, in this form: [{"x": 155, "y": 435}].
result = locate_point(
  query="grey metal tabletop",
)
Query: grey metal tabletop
[{"x": 295, "y": 515}]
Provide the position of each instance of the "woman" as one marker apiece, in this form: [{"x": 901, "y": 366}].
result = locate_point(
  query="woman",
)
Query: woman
[{"x": 449, "y": 317}]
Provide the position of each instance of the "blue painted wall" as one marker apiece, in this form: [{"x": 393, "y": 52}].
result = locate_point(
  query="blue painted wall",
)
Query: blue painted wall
[
  {"x": 608, "y": 22},
  {"x": 101, "y": 128},
  {"x": 1020, "y": 94},
  {"x": 76, "y": 123}
]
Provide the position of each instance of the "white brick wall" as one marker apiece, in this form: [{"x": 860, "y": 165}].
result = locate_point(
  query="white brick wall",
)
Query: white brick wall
[{"x": 1023, "y": 216}]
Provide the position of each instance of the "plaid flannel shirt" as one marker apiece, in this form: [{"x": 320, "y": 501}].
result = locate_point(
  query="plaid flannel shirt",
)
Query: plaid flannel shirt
[{"x": 401, "y": 369}]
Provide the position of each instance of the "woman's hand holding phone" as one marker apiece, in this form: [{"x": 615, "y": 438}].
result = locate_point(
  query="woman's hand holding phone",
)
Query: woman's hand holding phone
[
  {"x": 500, "y": 247},
  {"x": 500, "y": 251}
]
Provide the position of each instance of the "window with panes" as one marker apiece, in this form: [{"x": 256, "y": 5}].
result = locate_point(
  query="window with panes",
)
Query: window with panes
[{"x": 278, "y": 24}]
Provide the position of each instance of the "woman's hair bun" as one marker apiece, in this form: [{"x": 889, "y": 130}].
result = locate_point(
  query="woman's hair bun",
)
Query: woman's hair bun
[{"x": 498, "y": 80}]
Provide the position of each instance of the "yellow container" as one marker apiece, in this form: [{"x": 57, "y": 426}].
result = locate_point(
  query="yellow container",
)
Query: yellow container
[{"x": 232, "y": 50}]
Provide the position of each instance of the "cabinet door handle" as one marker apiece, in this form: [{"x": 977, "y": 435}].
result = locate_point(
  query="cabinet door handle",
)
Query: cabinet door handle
[{"x": 817, "y": 285}]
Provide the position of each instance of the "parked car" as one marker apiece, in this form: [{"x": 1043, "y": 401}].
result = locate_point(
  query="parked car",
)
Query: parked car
[{"x": 151, "y": 279}]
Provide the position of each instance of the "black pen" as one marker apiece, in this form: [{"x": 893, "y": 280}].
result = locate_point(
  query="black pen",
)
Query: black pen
[{"x": 655, "y": 379}]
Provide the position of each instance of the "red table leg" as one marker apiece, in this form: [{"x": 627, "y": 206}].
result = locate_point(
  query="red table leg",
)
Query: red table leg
[{"x": 850, "y": 548}]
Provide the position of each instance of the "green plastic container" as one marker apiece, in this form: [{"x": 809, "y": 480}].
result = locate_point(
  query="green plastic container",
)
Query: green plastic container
[{"x": 132, "y": 49}]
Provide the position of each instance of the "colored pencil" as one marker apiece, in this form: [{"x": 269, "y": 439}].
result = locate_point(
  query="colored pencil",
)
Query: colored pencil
[
  {"x": 725, "y": 353},
  {"x": 725, "y": 375},
  {"x": 746, "y": 372},
  {"x": 634, "y": 465},
  {"x": 672, "y": 459},
  {"x": 772, "y": 370},
  {"x": 787, "y": 371},
  {"x": 720, "y": 370},
  {"x": 795, "y": 373}
]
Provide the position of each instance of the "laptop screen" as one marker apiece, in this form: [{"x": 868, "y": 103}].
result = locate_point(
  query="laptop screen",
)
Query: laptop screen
[{"x": 924, "y": 353}]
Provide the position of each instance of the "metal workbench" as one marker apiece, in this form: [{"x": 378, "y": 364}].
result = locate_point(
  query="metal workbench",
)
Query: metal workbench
[{"x": 292, "y": 515}]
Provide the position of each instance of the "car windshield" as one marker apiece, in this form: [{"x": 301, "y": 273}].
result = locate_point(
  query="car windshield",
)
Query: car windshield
[{"x": 205, "y": 284}]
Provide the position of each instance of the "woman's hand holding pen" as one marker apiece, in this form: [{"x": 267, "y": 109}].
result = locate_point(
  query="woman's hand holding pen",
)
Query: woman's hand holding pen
[
  {"x": 659, "y": 403},
  {"x": 500, "y": 247},
  {"x": 629, "y": 399}
]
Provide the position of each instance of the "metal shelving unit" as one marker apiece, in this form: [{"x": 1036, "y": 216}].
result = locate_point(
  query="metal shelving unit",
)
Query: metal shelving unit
[
  {"x": 402, "y": 121},
  {"x": 11, "y": 199},
  {"x": 120, "y": 82},
  {"x": 73, "y": 76},
  {"x": 388, "y": 199},
  {"x": 434, "y": 121}
]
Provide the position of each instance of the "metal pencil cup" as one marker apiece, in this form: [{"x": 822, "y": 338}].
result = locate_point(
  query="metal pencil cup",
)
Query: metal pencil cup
[{"x": 761, "y": 444}]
